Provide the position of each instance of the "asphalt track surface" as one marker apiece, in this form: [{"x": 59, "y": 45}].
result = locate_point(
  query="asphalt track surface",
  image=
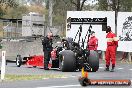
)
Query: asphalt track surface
[{"x": 122, "y": 71}]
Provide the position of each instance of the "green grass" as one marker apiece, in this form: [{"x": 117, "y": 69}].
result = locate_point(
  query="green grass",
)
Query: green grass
[{"x": 9, "y": 77}]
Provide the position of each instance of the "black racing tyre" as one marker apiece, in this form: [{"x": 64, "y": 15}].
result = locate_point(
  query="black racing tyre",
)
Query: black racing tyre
[
  {"x": 67, "y": 61},
  {"x": 18, "y": 60},
  {"x": 93, "y": 60}
]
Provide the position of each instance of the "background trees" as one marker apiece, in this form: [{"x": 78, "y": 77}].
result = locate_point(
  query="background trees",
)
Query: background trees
[{"x": 6, "y": 4}]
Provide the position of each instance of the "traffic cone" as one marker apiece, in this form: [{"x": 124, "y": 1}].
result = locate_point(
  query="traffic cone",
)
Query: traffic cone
[{"x": 84, "y": 74}]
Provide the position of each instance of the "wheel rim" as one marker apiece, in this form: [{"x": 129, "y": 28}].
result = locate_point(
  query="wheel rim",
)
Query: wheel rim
[
  {"x": 17, "y": 62},
  {"x": 61, "y": 62}
]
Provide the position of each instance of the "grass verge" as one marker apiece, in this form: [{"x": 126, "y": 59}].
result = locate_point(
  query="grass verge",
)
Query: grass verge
[{"x": 9, "y": 77}]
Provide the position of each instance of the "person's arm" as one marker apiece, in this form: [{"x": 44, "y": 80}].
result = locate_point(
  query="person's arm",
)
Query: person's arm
[
  {"x": 44, "y": 42},
  {"x": 115, "y": 39},
  {"x": 96, "y": 43}
]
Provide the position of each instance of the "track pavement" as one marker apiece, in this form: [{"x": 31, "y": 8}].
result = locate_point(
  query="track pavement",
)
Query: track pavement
[{"x": 69, "y": 80}]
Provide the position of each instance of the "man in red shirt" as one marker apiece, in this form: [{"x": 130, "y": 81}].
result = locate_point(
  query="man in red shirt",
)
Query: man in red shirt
[
  {"x": 112, "y": 44},
  {"x": 93, "y": 42}
]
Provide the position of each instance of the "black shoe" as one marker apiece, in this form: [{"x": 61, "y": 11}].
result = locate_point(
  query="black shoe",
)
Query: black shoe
[
  {"x": 106, "y": 69},
  {"x": 46, "y": 68},
  {"x": 112, "y": 70}
]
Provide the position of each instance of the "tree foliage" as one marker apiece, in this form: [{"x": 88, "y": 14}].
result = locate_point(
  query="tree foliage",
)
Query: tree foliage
[
  {"x": 78, "y": 4},
  {"x": 9, "y": 3},
  {"x": 119, "y": 5},
  {"x": 16, "y": 12},
  {"x": 60, "y": 8},
  {"x": 125, "y": 5},
  {"x": 103, "y": 5},
  {"x": 37, "y": 9},
  {"x": 5, "y": 4},
  {"x": 20, "y": 10}
]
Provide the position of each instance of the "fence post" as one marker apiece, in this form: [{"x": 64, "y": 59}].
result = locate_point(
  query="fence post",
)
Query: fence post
[{"x": 3, "y": 65}]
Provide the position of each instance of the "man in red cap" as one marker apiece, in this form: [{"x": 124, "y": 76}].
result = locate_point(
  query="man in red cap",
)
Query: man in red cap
[
  {"x": 93, "y": 42},
  {"x": 112, "y": 44}
]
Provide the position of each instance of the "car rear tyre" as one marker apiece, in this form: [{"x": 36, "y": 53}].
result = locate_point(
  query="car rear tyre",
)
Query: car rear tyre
[
  {"x": 18, "y": 60},
  {"x": 67, "y": 61},
  {"x": 93, "y": 60}
]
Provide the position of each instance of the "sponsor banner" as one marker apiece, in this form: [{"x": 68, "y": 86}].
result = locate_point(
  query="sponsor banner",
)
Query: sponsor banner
[
  {"x": 110, "y": 82},
  {"x": 104, "y": 82},
  {"x": 124, "y": 31}
]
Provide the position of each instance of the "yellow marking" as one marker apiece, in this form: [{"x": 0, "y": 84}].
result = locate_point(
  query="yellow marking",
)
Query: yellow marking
[
  {"x": 84, "y": 74},
  {"x": 110, "y": 39},
  {"x": 115, "y": 39}
]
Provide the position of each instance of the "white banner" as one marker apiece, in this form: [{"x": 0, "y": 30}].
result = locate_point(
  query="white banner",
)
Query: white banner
[
  {"x": 101, "y": 35},
  {"x": 124, "y": 31}
]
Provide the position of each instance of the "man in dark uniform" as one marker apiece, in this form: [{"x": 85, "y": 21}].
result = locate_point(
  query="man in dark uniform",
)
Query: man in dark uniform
[{"x": 47, "y": 48}]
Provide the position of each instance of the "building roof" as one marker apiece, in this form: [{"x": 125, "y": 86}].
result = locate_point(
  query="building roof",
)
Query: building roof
[{"x": 11, "y": 20}]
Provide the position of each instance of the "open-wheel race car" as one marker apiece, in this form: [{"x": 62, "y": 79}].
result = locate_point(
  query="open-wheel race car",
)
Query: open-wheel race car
[{"x": 66, "y": 56}]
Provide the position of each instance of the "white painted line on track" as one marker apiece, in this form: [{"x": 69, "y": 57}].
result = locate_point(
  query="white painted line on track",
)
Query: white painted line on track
[
  {"x": 63, "y": 77},
  {"x": 101, "y": 67},
  {"x": 120, "y": 68},
  {"x": 73, "y": 76},
  {"x": 45, "y": 78},
  {"x": 101, "y": 64},
  {"x": 130, "y": 69},
  {"x": 65, "y": 86}
]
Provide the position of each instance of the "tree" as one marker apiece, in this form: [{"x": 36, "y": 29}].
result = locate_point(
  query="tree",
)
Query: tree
[
  {"x": 5, "y": 4},
  {"x": 125, "y": 5},
  {"x": 103, "y": 5},
  {"x": 20, "y": 10},
  {"x": 10, "y": 3},
  {"x": 78, "y": 4},
  {"x": 16, "y": 12},
  {"x": 119, "y": 5},
  {"x": 37, "y": 8},
  {"x": 60, "y": 8}
]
